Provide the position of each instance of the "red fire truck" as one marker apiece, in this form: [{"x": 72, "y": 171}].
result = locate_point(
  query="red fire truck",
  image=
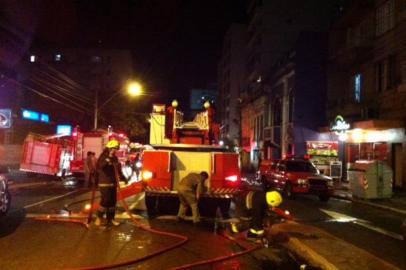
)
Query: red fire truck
[
  {"x": 62, "y": 155},
  {"x": 180, "y": 148},
  {"x": 46, "y": 154},
  {"x": 94, "y": 141}
]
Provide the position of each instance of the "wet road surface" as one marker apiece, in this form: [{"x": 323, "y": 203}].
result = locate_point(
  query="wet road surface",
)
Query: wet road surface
[
  {"x": 374, "y": 230},
  {"x": 26, "y": 243}
]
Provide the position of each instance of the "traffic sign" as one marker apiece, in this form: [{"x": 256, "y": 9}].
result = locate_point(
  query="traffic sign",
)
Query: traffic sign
[{"x": 5, "y": 118}]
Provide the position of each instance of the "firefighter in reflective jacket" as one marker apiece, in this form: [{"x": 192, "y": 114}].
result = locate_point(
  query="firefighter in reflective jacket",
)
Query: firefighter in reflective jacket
[
  {"x": 107, "y": 167},
  {"x": 256, "y": 204}
]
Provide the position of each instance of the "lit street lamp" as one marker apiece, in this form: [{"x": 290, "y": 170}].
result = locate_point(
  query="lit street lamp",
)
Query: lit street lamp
[{"x": 133, "y": 89}]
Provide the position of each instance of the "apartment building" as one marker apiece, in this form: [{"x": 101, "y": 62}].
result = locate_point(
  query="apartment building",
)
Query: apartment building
[
  {"x": 231, "y": 79},
  {"x": 367, "y": 82}
]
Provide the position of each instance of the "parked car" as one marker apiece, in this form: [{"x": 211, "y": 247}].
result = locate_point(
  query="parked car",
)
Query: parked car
[
  {"x": 5, "y": 197},
  {"x": 266, "y": 167},
  {"x": 297, "y": 176}
]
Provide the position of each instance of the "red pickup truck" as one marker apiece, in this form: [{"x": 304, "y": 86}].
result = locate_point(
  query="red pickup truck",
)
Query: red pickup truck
[{"x": 295, "y": 176}]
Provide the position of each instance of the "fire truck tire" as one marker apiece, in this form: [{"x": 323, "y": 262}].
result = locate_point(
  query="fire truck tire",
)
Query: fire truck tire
[
  {"x": 152, "y": 205},
  {"x": 324, "y": 197},
  {"x": 224, "y": 205}
]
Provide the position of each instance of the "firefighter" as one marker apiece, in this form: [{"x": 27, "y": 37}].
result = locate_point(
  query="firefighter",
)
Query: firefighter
[
  {"x": 189, "y": 189},
  {"x": 107, "y": 168},
  {"x": 90, "y": 169},
  {"x": 256, "y": 204}
]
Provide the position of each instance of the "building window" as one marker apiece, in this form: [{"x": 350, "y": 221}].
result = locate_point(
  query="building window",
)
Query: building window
[
  {"x": 58, "y": 57},
  {"x": 361, "y": 34},
  {"x": 277, "y": 114},
  {"x": 386, "y": 73},
  {"x": 385, "y": 17},
  {"x": 261, "y": 127},
  {"x": 357, "y": 87},
  {"x": 33, "y": 58}
]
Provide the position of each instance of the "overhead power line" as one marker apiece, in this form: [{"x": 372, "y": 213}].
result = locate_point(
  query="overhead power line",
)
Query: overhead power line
[
  {"x": 45, "y": 95},
  {"x": 46, "y": 87}
]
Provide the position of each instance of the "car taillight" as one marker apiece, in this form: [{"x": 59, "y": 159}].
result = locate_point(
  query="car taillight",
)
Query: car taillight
[
  {"x": 146, "y": 175},
  {"x": 232, "y": 178}
]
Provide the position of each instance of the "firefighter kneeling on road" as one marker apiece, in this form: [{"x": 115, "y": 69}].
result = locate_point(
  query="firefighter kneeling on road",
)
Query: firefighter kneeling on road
[
  {"x": 107, "y": 168},
  {"x": 256, "y": 204},
  {"x": 189, "y": 189}
]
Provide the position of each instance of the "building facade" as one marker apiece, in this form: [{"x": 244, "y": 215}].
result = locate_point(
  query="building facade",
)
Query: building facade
[
  {"x": 231, "y": 78},
  {"x": 367, "y": 82},
  {"x": 297, "y": 97},
  {"x": 273, "y": 30}
]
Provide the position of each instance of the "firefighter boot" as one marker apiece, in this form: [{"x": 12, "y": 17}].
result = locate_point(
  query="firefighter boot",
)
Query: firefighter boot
[
  {"x": 234, "y": 228},
  {"x": 110, "y": 217},
  {"x": 253, "y": 234},
  {"x": 113, "y": 222},
  {"x": 99, "y": 219}
]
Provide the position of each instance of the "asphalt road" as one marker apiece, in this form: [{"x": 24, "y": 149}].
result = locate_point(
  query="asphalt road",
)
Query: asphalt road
[
  {"x": 26, "y": 243},
  {"x": 374, "y": 230}
]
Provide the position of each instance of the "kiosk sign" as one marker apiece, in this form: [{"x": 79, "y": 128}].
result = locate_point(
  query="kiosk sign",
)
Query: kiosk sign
[
  {"x": 5, "y": 118},
  {"x": 339, "y": 125}
]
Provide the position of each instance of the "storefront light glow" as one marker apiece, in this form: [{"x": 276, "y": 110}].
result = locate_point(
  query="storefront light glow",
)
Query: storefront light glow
[
  {"x": 373, "y": 136},
  {"x": 343, "y": 137},
  {"x": 357, "y": 135}
]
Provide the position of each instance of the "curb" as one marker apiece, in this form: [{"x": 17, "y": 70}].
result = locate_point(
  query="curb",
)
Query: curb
[
  {"x": 326, "y": 251},
  {"x": 309, "y": 255},
  {"x": 384, "y": 207}
]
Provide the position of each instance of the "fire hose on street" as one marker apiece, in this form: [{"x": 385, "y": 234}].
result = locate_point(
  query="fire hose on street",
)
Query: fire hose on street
[{"x": 182, "y": 239}]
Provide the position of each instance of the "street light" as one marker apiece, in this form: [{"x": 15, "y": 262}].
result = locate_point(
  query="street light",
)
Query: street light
[{"x": 133, "y": 89}]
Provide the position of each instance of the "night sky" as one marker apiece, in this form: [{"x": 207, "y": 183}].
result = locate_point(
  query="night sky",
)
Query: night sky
[{"x": 176, "y": 44}]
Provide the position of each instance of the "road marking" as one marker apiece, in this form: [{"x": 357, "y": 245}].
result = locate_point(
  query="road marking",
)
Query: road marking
[
  {"x": 50, "y": 199},
  {"x": 15, "y": 186},
  {"x": 68, "y": 215},
  {"x": 366, "y": 224}
]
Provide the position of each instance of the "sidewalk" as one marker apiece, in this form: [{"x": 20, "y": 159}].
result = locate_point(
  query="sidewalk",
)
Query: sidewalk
[
  {"x": 323, "y": 250},
  {"x": 396, "y": 204}
]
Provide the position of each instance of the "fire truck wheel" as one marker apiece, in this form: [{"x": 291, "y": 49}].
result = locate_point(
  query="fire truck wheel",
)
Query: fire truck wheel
[
  {"x": 152, "y": 205},
  {"x": 324, "y": 197},
  {"x": 224, "y": 205}
]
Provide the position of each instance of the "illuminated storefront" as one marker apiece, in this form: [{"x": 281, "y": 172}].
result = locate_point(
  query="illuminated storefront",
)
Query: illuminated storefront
[{"x": 376, "y": 140}]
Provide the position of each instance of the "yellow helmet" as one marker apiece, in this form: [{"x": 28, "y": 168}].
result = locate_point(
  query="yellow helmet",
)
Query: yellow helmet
[
  {"x": 113, "y": 144},
  {"x": 174, "y": 103},
  {"x": 273, "y": 198}
]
